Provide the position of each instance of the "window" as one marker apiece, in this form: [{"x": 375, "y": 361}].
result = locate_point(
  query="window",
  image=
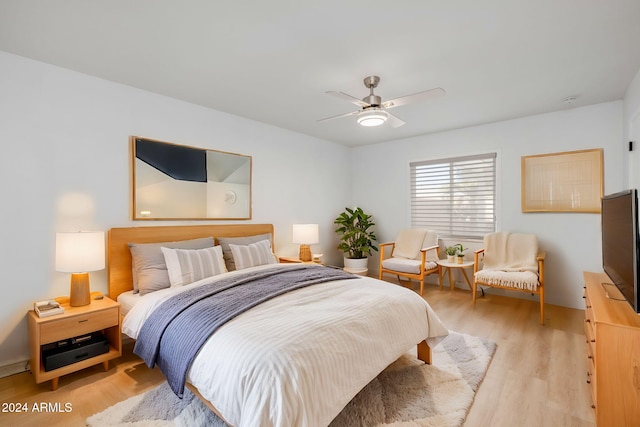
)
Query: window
[{"x": 455, "y": 196}]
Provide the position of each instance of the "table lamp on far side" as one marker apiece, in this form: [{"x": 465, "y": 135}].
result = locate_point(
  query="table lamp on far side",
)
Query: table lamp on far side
[
  {"x": 305, "y": 235},
  {"x": 79, "y": 253}
]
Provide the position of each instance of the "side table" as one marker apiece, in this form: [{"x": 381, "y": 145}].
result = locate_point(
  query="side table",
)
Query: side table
[
  {"x": 100, "y": 315},
  {"x": 290, "y": 260},
  {"x": 444, "y": 264}
]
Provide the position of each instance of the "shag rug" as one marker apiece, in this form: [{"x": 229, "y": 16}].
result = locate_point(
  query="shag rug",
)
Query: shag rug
[{"x": 407, "y": 393}]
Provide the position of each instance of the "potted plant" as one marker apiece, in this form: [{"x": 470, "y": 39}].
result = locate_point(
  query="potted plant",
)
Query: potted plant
[
  {"x": 455, "y": 253},
  {"x": 460, "y": 255},
  {"x": 451, "y": 252},
  {"x": 356, "y": 238}
]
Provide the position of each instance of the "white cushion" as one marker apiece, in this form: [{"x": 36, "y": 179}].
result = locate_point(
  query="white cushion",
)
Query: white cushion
[
  {"x": 404, "y": 265},
  {"x": 252, "y": 255},
  {"x": 149, "y": 269},
  {"x": 190, "y": 265},
  {"x": 246, "y": 240}
]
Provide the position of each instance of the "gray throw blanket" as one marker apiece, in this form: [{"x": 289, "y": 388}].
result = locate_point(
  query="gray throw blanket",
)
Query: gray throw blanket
[{"x": 176, "y": 330}]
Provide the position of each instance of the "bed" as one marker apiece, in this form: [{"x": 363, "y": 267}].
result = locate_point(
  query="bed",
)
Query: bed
[{"x": 296, "y": 359}]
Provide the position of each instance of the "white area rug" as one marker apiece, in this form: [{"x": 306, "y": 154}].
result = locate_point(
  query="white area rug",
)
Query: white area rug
[{"x": 407, "y": 393}]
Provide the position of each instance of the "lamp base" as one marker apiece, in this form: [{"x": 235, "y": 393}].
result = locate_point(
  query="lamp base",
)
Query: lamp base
[
  {"x": 79, "y": 292},
  {"x": 305, "y": 253}
]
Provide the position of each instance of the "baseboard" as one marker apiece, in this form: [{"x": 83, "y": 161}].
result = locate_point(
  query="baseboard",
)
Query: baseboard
[{"x": 14, "y": 368}]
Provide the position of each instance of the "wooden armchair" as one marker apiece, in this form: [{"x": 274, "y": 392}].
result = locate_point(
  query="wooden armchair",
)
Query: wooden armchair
[
  {"x": 510, "y": 261},
  {"x": 413, "y": 255}
]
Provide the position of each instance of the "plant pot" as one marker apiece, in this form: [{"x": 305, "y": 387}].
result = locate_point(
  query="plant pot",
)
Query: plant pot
[
  {"x": 451, "y": 258},
  {"x": 356, "y": 265},
  {"x": 460, "y": 259}
]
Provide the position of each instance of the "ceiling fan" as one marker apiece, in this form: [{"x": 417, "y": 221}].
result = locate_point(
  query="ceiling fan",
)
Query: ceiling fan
[{"x": 373, "y": 111}]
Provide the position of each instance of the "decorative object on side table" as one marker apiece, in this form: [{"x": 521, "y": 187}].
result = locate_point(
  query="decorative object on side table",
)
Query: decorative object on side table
[
  {"x": 451, "y": 252},
  {"x": 79, "y": 253},
  {"x": 455, "y": 253},
  {"x": 47, "y": 308},
  {"x": 305, "y": 235},
  {"x": 356, "y": 238}
]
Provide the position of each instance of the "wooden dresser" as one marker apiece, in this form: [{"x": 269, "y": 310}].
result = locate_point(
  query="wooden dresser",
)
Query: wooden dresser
[{"x": 612, "y": 329}]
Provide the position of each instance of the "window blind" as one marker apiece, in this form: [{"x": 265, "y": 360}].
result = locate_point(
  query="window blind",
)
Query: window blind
[{"x": 455, "y": 196}]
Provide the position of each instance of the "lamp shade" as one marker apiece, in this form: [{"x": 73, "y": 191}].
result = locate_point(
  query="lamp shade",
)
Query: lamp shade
[
  {"x": 305, "y": 234},
  {"x": 80, "y": 251}
]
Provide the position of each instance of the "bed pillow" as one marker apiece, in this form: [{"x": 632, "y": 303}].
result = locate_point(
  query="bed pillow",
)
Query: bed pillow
[
  {"x": 190, "y": 265},
  {"x": 252, "y": 255},
  {"x": 246, "y": 240},
  {"x": 149, "y": 269}
]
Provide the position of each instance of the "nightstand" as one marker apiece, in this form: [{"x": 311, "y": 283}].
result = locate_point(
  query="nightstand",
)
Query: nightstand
[
  {"x": 101, "y": 315},
  {"x": 289, "y": 260}
]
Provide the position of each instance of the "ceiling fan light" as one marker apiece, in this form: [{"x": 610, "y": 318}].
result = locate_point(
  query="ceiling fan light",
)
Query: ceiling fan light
[{"x": 372, "y": 117}]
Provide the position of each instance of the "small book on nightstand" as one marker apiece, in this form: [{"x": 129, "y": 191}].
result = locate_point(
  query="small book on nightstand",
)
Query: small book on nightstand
[{"x": 47, "y": 308}]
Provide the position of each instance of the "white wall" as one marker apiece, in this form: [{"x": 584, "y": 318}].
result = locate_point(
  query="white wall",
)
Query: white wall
[
  {"x": 65, "y": 166},
  {"x": 632, "y": 130},
  {"x": 572, "y": 241}
]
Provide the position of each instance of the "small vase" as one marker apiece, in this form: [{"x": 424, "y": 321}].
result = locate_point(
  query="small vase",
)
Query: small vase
[
  {"x": 451, "y": 258},
  {"x": 460, "y": 259}
]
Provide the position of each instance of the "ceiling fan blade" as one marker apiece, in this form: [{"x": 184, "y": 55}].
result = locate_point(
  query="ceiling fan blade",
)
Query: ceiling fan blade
[
  {"x": 359, "y": 102},
  {"x": 416, "y": 97},
  {"x": 338, "y": 116},
  {"x": 393, "y": 121}
]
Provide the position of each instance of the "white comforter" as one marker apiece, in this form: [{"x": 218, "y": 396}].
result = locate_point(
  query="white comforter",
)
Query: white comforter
[{"x": 298, "y": 359}]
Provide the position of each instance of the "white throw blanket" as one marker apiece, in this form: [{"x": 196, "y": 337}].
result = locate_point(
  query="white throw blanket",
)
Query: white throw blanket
[
  {"x": 409, "y": 243},
  {"x": 510, "y": 259}
]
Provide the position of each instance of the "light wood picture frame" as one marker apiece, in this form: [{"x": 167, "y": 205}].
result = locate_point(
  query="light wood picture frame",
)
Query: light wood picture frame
[
  {"x": 177, "y": 182},
  {"x": 570, "y": 181}
]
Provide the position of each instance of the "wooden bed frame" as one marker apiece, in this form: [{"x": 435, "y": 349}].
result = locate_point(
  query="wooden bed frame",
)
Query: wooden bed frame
[{"x": 119, "y": 259}]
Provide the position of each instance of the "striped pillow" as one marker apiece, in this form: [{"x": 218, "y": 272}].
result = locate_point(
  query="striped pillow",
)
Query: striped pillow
[
  {"x": 252, "y": 255},
  {"x": 190, "y": 265}
]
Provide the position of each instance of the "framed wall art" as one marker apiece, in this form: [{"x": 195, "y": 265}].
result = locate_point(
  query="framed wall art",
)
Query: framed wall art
[
  {"x": 177, "y": 182},
  {"x": 570, "y": 181}
]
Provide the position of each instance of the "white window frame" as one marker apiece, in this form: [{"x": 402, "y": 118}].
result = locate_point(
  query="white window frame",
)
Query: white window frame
[{"x": 432, "y": 207}]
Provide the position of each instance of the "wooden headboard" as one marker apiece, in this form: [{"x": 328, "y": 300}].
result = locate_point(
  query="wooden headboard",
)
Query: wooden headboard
[{"x": 119, "y": 255}]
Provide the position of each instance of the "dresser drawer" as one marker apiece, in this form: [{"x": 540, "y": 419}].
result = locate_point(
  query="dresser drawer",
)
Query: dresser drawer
[
  {"x": 591, "y": 353},
  {"x": 589, "y": 331},
  {"x": 78, "y": 325}
]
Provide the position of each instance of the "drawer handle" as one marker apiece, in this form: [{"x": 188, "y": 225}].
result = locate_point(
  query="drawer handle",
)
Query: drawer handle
[
  {"x": 79, "y": 356},
  {"x": 588, "y": 381},
  {"x": 589, "y": 357},
  {"x": 82, "y": 321}
]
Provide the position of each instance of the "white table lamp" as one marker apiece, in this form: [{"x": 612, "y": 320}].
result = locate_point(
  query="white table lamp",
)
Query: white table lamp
[
  {"x": 79, "y": 253},
  {"x": 305, "y": 235}
]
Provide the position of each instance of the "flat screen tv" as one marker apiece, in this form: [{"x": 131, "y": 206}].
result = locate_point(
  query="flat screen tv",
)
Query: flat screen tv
[{"x": 620, "y": 243}]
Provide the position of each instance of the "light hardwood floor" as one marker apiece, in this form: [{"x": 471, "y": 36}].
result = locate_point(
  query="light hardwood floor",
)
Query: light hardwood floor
[{"x": 537, "y": 376}]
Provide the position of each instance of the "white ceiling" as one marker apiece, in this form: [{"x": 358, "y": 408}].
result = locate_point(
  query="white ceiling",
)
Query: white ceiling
[{"x": 272, "y": 61}]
